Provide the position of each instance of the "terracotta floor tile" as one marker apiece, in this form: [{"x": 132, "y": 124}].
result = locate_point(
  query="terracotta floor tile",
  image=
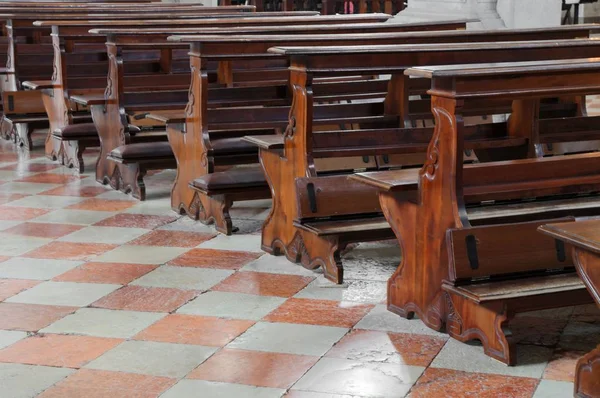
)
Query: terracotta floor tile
[
  {"x": 42, "y": 230},
  {"x": 152, "y": 299},
  {"x": 10, "y": 287},
  {"x": 92, "y": 383},
  {"x": 436, "y": 383},
  {"x": 57, "y": 350},
  {"x": 374, "y": 346},
  {"x": 30, "y": 317},
  {"x": 50, "y": 178},
  {"x": 70, "y": 250},
  {"x": 211, "y": 258},
  {"x": 264, "y": 284},
  {"x": 4, "y": 258},
  {"x": 8, "y": 157},
  {"x": 319, "y": 312},
  {"x": 193, "y": 329},
  {"x": 31, "y": 167},
  {"x": 136, "y": 221},
  {"x": 76, "y": 190},
  {"x": 117, "y": 273},
  {"x": 7, "y": 198},
  {"x": 562, "y": 365},
  {"x": 172, "y": 238},
  {"x": 256, "y": 368},
  {"x": 8, "y": 213},
  {"x": 103, "y": 205}
]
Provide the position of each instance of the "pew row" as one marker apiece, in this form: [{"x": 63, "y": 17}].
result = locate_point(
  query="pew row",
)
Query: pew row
[
  {"x": 290, "y": 232},
  {"x": 459, "y": 270},
  {"x": 191, "y": 159},
  {"x": 262, "y": 69}
]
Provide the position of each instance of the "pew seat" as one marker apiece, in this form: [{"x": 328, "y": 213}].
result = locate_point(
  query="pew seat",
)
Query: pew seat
[
  {"x": 512, "y": 289},
  {"x": 226, "y": 187},
  {"x": 140, "y": 157},
  {"x": 141, "y": 152}
]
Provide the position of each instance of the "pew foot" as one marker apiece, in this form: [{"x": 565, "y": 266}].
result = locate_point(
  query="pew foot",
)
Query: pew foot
[
  {"x": 468, "y": 320},
  {"x": 587, "y": 382},
  {"x": 215, "y": 210},
  {"x": 325, "y": 252},
  {"x": 73, "y": 155},
  {"x": 132, "y": 180},
  {"x": 127, "y": 178},
  {"x": 7, "y": 130},
  {"x": 190, "y": 209}
]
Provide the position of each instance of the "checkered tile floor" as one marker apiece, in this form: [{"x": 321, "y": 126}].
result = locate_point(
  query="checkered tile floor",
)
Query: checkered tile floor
[{"x": 104, "y": 296}]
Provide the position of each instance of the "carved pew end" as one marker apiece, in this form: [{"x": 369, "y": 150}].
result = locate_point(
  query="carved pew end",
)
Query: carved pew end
[
  {"x": 75, "y": 139},
  {"x": 134, "y": 160},
  {"x": 216, "y": 193},
  {"x": 497, "y": 271}
]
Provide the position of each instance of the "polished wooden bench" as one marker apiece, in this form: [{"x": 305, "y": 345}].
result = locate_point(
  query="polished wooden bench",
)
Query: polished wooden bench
[
  {"x": 111, "y": 165},
  {"x": 29, "y": 53},
  {"x": 297, "y": 158},
  {"x": 459, "y": 269},
  {"x": 190, "y": 158},
  {"x": 584, "y": 238},
  {"x": 77, "y": 39}
]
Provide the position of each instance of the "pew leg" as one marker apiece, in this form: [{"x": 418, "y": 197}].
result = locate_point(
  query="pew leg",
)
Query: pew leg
[
  {"x": 324, "y": 252},
  {"x": 215, "y": 210},
  {"x": 22, "y": 136},
  {"x": 73, "y": 155},
  {"x": 131, "y": 180},
  {"x": 488, "y": 323},
  {"x": 6, "y": 129},
  {"x": 54, "y": 148},
  {"x": 587, "y": 374}
]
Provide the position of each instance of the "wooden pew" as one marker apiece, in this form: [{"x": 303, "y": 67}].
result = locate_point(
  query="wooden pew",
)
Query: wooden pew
[
  {"x": 318, "y": 240},
  {"x": 24, "y": 55},
  {"x": 26, "y": 41},
  {"x": 190, "y": 157},
  {"x": 112, "y": 137},
  {"x": 73, "y": 34},
  {"x": 458, "y": 269},
  {"x": 583, "y": 237}
]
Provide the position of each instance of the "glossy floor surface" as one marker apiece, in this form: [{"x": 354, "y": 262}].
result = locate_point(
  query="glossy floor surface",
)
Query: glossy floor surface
[{"x": 104, "y": 296}]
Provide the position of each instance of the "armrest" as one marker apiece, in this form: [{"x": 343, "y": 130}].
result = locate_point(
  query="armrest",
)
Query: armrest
[
  {"x": 167, "y": 117},
  {"x": 38, "y": 84},
  {"x": 87, "y": 100},
  {"x": 269, "y": 142}
]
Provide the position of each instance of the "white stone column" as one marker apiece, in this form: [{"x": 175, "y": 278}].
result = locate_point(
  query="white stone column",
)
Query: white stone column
[{"x": 492, "y": 14}]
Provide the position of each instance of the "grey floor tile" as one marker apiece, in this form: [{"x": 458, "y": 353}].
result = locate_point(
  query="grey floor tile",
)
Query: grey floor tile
[
  {"x": 277, "y": 265},
  {"x": 580, "y": 336},
  {"x": 369, "y": 292},
  {"x": 152, "y": 358},
  {"x": 246, "y": 243},
  {"x": 26, "y": 381},
  {"x": 64, "y": 293},
  {"x": 104, "y": 323},
  {"x": 33, "y": 268},
  {"x": 379, "y": 318},
  {"x": 531, "y": 360},
  {"x": 16, "y": 245},
  {"x": 342, "y": 376},
  {"x": 8, "y": 337},
  {"x": 554, "y": 389},
  {"x": 209, "y": 389},
  {"x": 108, "y": 235},
  {"x": 78, "y": 217},
  {"x": 232, "y": 305},
  {"x": 289, "y": 338},
  {"x": 183, "y": 277}
]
